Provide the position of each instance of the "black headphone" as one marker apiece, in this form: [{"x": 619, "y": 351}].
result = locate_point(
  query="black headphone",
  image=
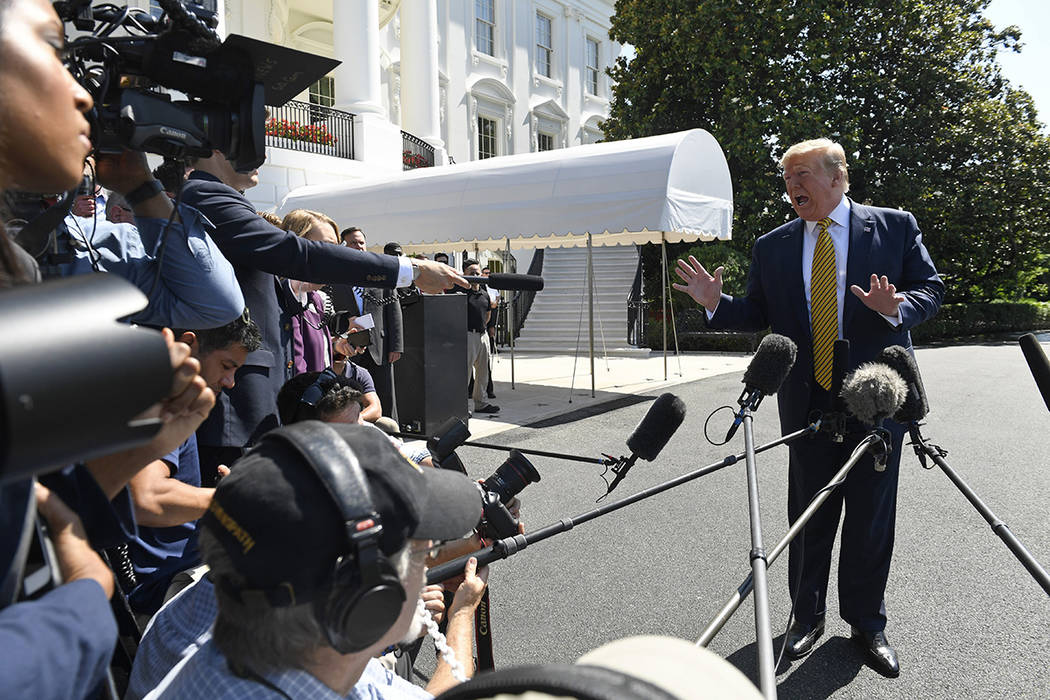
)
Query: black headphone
[{"x": 365, "y": 595}]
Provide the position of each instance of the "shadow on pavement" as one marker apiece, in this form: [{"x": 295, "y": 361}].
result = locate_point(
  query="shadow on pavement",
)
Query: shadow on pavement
[{"x": 832, "y": 665}]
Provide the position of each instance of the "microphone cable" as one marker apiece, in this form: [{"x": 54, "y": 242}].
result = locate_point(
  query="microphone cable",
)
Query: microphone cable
[{"x": 708, "y": 421}]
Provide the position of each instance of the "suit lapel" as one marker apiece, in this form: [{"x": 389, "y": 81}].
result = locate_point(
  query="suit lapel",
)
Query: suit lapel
[
  {"x": 794, "y": 288},
  {"x": 861, "y": 232}
]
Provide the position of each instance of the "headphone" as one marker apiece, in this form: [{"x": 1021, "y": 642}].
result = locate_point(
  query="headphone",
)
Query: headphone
[{"x": 365, "y": 594}]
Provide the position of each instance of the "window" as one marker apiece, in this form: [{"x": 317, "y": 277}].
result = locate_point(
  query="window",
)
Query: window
[
  {"x": 322, "y": 93},
  {"x": 592, "y": 71},
  {"x": 155, "y": 9},
  {"x": 544, "y": 45},
  {"x": 487, "y": 144},
  {"x": 544, "y": 142},
  {"x": 485, "y": 26}
]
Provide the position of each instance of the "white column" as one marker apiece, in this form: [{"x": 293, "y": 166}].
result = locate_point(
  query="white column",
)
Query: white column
[
  {"x": 420, "y": 101},
  {"x": 355, "y": 35}
]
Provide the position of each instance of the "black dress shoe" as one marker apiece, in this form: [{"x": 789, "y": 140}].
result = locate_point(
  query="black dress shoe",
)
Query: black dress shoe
[
  {"x": 801, "y": 636},
  {"x": 881, "y": 656}
]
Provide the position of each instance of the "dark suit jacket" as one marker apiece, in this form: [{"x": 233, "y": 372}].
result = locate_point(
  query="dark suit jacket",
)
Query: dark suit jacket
[
  {"x": 259, "y": 251},
  {"x": 385, "y": 307},
  {"x": 881, "y": 241}
]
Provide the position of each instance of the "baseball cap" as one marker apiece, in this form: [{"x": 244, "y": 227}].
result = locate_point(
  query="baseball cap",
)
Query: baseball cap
[{"x": 278, "y": 523}]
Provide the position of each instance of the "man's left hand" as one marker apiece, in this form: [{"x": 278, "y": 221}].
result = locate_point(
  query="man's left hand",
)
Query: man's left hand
[
  {"x": 394, "y": 357},
  {"x": 881, "y": 298}
]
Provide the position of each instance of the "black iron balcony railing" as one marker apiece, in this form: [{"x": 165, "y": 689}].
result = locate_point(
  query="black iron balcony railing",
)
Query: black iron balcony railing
[
  {"x": 310, "y": 128},
  {"x": 415, "y": 152}
]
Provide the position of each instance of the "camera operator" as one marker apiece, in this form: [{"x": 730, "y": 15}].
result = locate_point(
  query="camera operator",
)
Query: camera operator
[
  {"x": 290, "y": 621},
  {"x": 43, "y": 143},
  {"x": 170, "y": 257},
  {"x": 259, "y": 251}
]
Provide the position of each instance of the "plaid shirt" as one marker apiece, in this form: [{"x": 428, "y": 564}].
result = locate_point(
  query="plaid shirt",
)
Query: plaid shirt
[
  {"x": 177, "y": 631},
  {"x": 206, "y": 675}
]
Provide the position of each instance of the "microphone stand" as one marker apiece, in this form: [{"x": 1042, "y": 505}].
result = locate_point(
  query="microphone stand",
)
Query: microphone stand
[
  {"x": 744, "y": 589},
  {"x": 998, "y": 526},
  {"x": 763, "y": 628},
  {"x": 501, "y": 549},
  {"x": 605, "y": 461}
]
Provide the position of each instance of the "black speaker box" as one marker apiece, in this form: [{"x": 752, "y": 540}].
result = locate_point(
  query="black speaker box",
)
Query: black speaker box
[{"x": 431, "y": 376}]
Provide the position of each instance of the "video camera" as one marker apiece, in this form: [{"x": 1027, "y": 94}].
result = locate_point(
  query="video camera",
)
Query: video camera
[
  {"x": 509, "y": 479},
  {"x": 226, "y": 83}
]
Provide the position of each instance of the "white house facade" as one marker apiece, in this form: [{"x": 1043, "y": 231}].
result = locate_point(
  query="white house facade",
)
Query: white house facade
[{"x": 426, "y": 82}]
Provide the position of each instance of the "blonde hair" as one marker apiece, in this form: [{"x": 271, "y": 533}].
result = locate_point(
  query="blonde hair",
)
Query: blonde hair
[
  {"x": 270, "y": 218},
  {"x": 300, "y": 221},
  {"x": 833, "y": 157}
]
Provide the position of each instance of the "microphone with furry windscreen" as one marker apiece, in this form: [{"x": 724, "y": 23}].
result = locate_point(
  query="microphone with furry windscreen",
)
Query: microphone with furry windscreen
[
  {"x": 656, "y": 427},
  {"x": 915, "y": 406},
  {"x": 873, "y": 392},
  {"x": 768, "y": 369}
]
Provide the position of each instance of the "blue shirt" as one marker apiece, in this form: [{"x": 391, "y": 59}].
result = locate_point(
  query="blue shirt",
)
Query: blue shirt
[
  {"x": 197, "y": 287},
  {"x": 360, "y": 377},
  {"x": 176, "y": 632},
  {"x": 58, "y": 646},
  {"x": 158, "y": 553},
  {"x": 206, "y": 675}
]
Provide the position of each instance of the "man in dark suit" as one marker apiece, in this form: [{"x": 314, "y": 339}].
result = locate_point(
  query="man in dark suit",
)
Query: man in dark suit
[
  {"x": 388, "y": 340},
  {"x": 797, "y": 286},
  {"x": 259, "y": 252}
]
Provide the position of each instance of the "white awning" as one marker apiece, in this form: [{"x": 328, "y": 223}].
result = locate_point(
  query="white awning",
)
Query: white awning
[{"x": 674, "y": 187}]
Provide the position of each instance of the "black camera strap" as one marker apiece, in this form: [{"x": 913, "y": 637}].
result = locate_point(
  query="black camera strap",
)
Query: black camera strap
[{"x": 483, "y": 633}]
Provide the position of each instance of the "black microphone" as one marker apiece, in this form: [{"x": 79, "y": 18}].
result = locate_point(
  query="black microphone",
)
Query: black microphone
[
  {"x": 874, "y": 392},
  {"x": 654, "y": 430},
  {"x": 768, "y": 369},
  {"x": 1037, "y": 363},
  {"x": 915, "y": 406},
  {"x": 507, "y": 280}
]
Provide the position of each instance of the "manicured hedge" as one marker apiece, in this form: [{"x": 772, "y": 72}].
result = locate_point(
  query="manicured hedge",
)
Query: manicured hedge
[{"x": 954, "y": 321}]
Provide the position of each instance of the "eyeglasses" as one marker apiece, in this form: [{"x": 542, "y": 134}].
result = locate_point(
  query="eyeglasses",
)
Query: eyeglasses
[{"x": 426, "y": 552}]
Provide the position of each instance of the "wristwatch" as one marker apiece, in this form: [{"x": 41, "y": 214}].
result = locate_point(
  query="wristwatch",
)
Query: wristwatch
[{"x": 417, "y": 270}]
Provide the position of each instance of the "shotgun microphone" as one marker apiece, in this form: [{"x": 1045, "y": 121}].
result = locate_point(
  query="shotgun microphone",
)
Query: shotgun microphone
[
  {"x": 767, "y": 371},
  {"x": 656, "y": 427},
  {"x": 1038, "y": 364},
  {"x": 507, "y": 280}
]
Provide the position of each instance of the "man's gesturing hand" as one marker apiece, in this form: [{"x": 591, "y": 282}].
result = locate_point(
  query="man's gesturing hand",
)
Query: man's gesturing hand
[
  {"x": 435, "y": 277},
  {"x": 704, "y": 288},
  {"x": 881, "y": 298}
]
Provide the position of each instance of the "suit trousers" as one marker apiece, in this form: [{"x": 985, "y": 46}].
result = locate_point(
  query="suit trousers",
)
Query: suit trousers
[
  {"x": 383, "y": 378},
  {"x": 870, "y": 500},
  {"x": 478, "y": 361}
]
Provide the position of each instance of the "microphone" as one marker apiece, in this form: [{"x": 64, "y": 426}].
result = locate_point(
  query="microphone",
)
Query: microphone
[
  {"x": 1037, "y": 363},
  {"x": 874, "y": 392},
  {"x": 915, "y": 406},
  {"x": 507, "y": 280},
  {"x": 768, "y": 369},
  {"x": 654, "y": 430}
]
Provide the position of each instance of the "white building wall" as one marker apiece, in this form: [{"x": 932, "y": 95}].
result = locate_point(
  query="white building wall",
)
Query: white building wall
[{"x": 506, "y": 86}]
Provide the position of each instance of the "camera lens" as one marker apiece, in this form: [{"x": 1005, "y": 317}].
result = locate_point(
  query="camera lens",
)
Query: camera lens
[{"x": 512, "y": 476}]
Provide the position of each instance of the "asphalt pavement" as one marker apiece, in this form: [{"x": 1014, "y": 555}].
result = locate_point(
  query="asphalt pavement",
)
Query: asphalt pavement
[{"x": 965, "y": 617}]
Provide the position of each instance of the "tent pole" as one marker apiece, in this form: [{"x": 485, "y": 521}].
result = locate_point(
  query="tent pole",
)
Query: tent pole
[
  {"x": 590, "y": 303},
  {"x": 510, "y": 319},
  {"x": 663, "y": 293}
]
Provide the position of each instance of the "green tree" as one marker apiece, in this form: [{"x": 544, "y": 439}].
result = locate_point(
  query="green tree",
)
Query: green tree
[{"x": 911, "y": 88}]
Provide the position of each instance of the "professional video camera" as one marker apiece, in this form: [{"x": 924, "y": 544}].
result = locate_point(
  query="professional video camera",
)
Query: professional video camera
[
  {"x": 497, "y": 491},
  {"x": 226, "y": 83}
]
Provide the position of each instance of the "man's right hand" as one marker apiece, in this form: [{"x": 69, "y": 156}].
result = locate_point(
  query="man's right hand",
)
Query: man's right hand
[
  {"x": 435, "y": 277},
  {"x": 703, "y": 287},
  {"x": 76, "y": 558},
  {"x": 84, "y": 206},
  {"x": 468, "y": 594}
]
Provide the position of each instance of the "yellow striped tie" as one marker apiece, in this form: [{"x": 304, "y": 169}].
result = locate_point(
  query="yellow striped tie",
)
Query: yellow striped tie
[{"x": 824, "y": 312}]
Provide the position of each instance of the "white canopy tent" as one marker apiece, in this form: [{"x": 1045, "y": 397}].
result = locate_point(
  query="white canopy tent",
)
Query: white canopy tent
[{"x": 669, "y": 188}]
